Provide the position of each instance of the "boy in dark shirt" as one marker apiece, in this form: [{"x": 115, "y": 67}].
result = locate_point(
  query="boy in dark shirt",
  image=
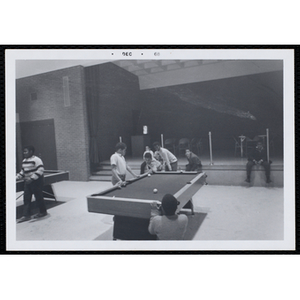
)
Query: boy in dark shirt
[
  {"x": 258, "y": 157},
  {"x": 194, "y": 161}
]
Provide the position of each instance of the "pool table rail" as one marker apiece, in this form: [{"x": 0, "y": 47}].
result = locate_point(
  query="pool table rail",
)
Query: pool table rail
[
  {"x": 132, "y": 207},
  {"x": 50, "y": 177}
]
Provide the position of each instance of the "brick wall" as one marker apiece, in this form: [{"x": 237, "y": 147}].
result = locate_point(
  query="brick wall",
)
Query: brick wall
[{"x": 53, "y": 90}]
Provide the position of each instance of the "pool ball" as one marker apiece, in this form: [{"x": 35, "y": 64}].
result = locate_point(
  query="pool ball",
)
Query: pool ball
[
  {"x": 149, "y": 175},
  {"x": 155, "y": 191}
]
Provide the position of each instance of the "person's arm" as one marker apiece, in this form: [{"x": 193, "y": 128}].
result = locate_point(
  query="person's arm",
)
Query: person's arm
[
  {"x": 153, "y": 166},
  {"x": 20, "y": 175},
  {"x": 151, "y": 226},
  {"x": 154, "y": 213},
  {"x": 165, "y": 158},
  {"x": 131, "y": 172},
  {"x": 38, "y": 173},
  {"x": 39, "y": 169},
  {"x": 156, "y": 165},
  {"x": 115, "y": 174}
]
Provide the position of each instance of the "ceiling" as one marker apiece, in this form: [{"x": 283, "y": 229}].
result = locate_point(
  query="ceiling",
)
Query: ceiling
[
  {"x": 145, "y": 67},
  {"x": 25, "y": 68},
  {"x": 158, "y": 73}
]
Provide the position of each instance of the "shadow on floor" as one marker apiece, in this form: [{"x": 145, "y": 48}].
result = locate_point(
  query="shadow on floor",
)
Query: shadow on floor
[
  {"x": 107, "y": 235},
  {"x": 194, "y": 223},
  {"x": 34, "y": 210}
]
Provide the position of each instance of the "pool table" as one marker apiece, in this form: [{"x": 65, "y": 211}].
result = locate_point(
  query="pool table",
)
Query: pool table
[
  {"x": 131, "y": 205},
  {"x": 50, "y": 177}
]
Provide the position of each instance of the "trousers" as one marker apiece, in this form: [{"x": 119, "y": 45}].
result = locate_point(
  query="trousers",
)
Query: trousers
[
  {"x": 34, "y": 188},
  {"x": 265, "y": 164}
]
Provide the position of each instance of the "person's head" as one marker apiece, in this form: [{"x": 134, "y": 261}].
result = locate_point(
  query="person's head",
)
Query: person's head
[
  {"x": 147, "y": 148},
  {"x": 169, "y": 204},
  {"x": 156, "y": 146},
  {"x": 188, "y": 153},
  {"x": 148, "y": 157},
  {"x": 28, "y": 151},
  {"x": 121, "y": 148}
]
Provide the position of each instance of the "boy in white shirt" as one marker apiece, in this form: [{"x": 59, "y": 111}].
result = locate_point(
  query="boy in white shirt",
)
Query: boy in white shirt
[
  {"x": 169, "y": 159},
  {"x": 119, "y": 165}
]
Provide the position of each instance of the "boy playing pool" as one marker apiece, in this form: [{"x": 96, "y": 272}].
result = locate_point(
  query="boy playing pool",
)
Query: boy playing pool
[
  {"x": 151, "y": 164},
  {"x": 169, "y": 159},
  {"x": 165, "y": 223},
  {"x": 119, "y": 165}
]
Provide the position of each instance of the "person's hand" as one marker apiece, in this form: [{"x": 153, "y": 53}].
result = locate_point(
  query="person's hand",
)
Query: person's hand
[
  {"x": 27, "y": 180},
  {"x": 121, "y": 183},
  {"x": 155, "y": 209}
]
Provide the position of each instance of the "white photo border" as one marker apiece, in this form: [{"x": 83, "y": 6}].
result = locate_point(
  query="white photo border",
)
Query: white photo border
[{"x": 287, "y": 55}]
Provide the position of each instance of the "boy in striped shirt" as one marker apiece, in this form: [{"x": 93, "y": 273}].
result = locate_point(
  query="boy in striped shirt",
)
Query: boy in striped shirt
[{"x": 32, "y": 173}]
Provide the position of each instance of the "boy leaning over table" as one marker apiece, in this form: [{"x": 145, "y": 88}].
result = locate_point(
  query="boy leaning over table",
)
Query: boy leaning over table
[{"x": 164, "y": 222}]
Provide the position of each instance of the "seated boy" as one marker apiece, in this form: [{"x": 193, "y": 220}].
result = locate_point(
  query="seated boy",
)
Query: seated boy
[
  {"x": 194, "y": 162},
  {"x": 164, "y": 223}
]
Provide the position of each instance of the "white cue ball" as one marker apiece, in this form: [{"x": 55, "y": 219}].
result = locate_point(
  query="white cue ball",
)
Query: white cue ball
[
  {"x": 149, "y": 175},
  {"x": 155, "y": 191}
]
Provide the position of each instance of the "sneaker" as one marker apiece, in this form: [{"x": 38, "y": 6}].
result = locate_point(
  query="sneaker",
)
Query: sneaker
[
  {"x": 40, "y": 215},
  {"x": 247, "y": 180},
  {"x": 24, "y": 219}
]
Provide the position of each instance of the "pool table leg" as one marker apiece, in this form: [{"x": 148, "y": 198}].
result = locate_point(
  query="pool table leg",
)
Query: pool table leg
[{"x": 190, "y": 205}]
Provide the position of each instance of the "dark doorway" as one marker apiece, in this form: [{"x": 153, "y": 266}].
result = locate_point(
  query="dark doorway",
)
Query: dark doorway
[{"x": 41, "y": 135}]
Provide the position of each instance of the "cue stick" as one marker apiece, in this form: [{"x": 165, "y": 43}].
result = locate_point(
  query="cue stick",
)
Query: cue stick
[
  {"x": 20, "y": 196},
  {"x": 268, "y": 149},
  {"x": 210, "y": 148},
  {"x": 162, "y": 140}
]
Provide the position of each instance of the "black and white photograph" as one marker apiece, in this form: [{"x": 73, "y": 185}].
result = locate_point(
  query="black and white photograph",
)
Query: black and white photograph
[{"x": 150, "y": 149}]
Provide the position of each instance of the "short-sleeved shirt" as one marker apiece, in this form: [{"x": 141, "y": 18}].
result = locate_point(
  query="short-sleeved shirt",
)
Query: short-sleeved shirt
[
  {"x": 119, "y": 161},
  {"x": 168, "y": 227}
]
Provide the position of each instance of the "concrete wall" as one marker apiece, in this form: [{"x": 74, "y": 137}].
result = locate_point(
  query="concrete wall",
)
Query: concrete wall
[{"x": 236, "y": 175}]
